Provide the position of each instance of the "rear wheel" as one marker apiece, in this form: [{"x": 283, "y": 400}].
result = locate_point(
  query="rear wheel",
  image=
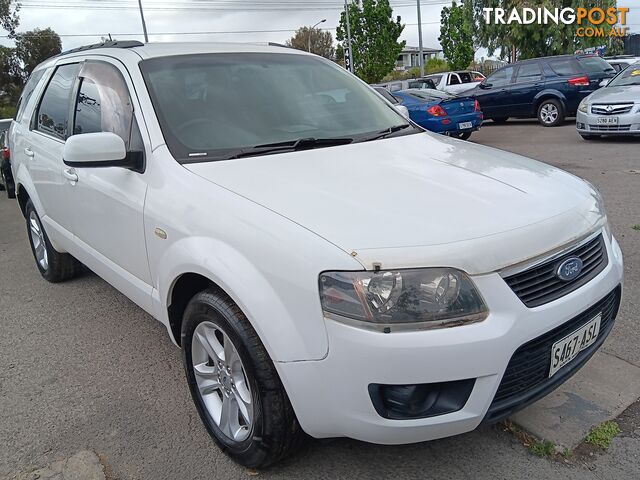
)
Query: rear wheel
[
  {"x": 53, "y": 265},
  {"x": 234, "y": 383},
  {"x": 500, "y": 119},
  {"x": 550, "y": 112}
]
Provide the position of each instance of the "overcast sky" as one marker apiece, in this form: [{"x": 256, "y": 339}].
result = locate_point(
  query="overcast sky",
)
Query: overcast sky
[{"x": 121, "y": 18}]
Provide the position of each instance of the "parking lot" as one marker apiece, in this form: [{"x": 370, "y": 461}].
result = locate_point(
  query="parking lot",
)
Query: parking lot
[{"x": 82, "y": 368}]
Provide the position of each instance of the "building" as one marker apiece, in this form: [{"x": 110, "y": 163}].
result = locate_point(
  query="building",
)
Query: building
[
  {"x": 632, "y": 44},
  {"x": 409, "y": 57}
]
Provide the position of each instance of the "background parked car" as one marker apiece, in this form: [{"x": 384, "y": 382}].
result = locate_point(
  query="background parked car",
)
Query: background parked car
[
  {"x": 416, "y": 83},
  {"x": 614, "y": 109},
  {"x": 6, "y": 179},
  {"x": 442, "y": 112},
  {"x": 456, "y": 82},
  {"x": 549, "y": 88},
  {"x": 620, "y": 62}
]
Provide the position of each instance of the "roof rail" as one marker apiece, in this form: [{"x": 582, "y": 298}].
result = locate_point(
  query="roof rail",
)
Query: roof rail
[{"x": 109, "y": 44}]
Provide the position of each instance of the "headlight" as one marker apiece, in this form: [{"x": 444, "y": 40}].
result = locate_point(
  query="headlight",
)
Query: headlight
[
  {"x": 402, "y": 299},
  {"x": 583, "y": 107}
]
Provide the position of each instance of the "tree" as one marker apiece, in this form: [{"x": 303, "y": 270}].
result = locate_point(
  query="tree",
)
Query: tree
[
  {"x": 9, "y": 19},
  {"x": 321, "y": 42},
  {"x": 456, "y": 34},
  {"x": 519, "y": 42},
  {"x": 36, "y": 46},
  {"x": 374, "y": 38}
]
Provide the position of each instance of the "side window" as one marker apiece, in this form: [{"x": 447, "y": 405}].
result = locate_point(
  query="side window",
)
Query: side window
[
  {"x": 454, "y": 79},
  {"x": 565, "y": 66},
  {"x": 465, "y": 77},
  {"x": 529, "y": 72},
  {"x": 501, "y": 77},
  {"x": 53, "y": 112},
  {"x": 103, "y": 103},
  {"x": 31, "y": 85}
]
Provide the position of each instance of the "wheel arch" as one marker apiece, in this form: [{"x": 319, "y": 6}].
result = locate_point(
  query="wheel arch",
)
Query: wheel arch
[{"x": 549, "y": 94}]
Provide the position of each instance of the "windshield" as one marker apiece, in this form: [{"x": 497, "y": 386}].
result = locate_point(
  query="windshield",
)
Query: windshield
[
  {"x": 212, "y": 105},
  {"x": 430, "y": 95},
  {"x": 629, "y": 76}
]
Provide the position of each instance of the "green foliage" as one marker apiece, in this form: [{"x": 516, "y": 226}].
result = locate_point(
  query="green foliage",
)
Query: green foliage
[
  {"x": 435, "y": 65},
  {"x": 36, "y": 46},
  {"x": 374, "y": 38},
  {"x": 542, "y": 448},
  {"x": 9, "y": 19},
  {"x": 602, "y": 435},
  {"x": 456, "y": 34},
  {"x": 535, "y": 40},
  {"x": 321, "y": 42},
  {"x": 636, "y": 227}
]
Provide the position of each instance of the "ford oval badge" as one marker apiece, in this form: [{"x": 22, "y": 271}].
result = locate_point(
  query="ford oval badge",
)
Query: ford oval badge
[{"x": 569, "y": 269}]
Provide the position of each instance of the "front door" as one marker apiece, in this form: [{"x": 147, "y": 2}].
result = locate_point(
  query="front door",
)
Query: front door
[
  {"x": 108, "y": 202},
  {"x": 494, "y": 94}
]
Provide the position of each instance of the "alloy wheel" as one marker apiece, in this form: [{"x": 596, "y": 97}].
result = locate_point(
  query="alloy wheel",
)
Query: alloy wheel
[
  {"x": 222, "y": 381},
  {"x": 38, "y": 242},
  {"x": 549, "y": 113}
]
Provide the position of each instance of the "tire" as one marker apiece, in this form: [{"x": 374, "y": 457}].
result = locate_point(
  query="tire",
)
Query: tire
[
  {"x": 462, "y": 135},
  {"x": 500, "y": 120},
  {"x": 550, "y": 112},
  {"x": 268, "y": 431},
  {"x": 589, "y": 137},
  {"x": 53, "y": 266}
]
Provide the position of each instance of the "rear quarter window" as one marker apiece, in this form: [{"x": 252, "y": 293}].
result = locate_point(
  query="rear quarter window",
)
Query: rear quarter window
[{"x": 565, "y": 67}]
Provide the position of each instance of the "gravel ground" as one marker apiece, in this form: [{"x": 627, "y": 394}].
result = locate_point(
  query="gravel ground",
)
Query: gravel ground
[{"x": 82, "y": 368}]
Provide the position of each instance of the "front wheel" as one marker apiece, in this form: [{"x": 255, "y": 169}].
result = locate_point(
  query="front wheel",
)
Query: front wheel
[
  {"x": 234, "y": 383},
  {"x": 53, "y": 266},
  {"x": 550, "y": 112}
]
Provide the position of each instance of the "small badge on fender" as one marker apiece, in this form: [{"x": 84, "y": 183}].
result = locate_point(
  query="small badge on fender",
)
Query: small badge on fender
[{"x": 160, "y": 233}]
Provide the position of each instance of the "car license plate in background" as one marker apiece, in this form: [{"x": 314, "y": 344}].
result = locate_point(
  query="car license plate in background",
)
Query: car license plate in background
[
  {"x": 607, "y": 121},
  {"x": 464, "y": 125},
  {"x": 565, "y": 350}
]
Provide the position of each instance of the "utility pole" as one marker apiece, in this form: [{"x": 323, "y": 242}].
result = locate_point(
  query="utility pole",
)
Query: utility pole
[
  {"x": 144, "y": 25},
  {"x": 346, "y": 12},
  {"x": 420, "y": 40}
]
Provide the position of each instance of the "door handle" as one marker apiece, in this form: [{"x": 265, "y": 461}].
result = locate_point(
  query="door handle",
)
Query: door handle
[
  {"x": 70, "y": 174},
  {"x": 28, "y": 152}
]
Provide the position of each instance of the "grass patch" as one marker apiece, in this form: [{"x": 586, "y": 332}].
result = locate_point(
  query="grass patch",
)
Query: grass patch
[
  {"x": 542, "y": 448},
  {"x": 636, "y": 227},
  {"x": 602, "y": 435}
]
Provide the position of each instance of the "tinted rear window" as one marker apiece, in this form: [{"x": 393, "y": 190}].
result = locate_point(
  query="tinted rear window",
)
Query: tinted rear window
[
  {"x": 565, "y": 66},
  {"x": 595, "y": 64}
]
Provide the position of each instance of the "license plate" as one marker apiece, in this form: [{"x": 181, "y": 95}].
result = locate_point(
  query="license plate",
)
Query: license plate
[
  {"x": 465, "y": 125},
  {"x": 565, "y": 350},
  {"x": 607, "y": 120}
]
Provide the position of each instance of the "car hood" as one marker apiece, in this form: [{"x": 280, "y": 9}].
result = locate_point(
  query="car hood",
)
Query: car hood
[
  {"x": 418, "y": 197},
  {"x": 629, "y": 93}
]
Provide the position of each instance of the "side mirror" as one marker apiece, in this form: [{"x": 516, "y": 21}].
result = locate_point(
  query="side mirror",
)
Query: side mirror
[
  {"x": 605, "y": 82},
  {"x": 485, "y": 85},
  {"x": 403, "y": 110},
  {"x": 103, "y": 149}
]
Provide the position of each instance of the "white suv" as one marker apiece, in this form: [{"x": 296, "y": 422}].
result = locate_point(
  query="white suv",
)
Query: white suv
[{"x": 326, "y": 266}]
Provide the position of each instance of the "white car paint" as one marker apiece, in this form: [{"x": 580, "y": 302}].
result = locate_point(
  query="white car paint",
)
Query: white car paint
[
  {"x": 264, "y": 228},
  {"x": 452, "y": 82}
]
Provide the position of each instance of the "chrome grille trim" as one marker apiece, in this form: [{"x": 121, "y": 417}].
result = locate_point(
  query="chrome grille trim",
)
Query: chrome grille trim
[{"x": 611, "y": 108}]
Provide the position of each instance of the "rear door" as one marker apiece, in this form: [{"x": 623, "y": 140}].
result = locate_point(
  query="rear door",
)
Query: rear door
[
  {"x": 43, "y": 146},
  {"x": 568, "y": 77},
  {"x": 528, "y": 81},
  {"x": 494, "y": 94}
]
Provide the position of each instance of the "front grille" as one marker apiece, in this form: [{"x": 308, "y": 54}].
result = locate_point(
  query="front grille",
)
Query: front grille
[
  {"x": 612, "y": 109},
  {"x": 609, "y": 128},
  {"x": 539, "y": 284},
  {"x": 526, "y": 378}
]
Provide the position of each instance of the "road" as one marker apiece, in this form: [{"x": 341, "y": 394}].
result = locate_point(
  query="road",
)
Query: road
[{"x": 82, "y": 368}]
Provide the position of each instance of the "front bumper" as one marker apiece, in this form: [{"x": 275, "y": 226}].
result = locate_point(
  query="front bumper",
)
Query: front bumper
[
  {"x": 331, "y": 397},
  {"x": 628, "y": 124}
]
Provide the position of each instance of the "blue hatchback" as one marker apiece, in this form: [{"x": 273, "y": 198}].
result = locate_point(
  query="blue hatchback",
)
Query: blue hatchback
[{"x": 441, "y": 112}]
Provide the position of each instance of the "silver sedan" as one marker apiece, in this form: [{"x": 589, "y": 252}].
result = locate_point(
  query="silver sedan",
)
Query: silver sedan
[{"x": 614, "y": 109}]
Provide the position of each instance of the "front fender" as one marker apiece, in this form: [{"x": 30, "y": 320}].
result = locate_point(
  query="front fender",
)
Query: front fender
[{"x": 288, "y": 319}]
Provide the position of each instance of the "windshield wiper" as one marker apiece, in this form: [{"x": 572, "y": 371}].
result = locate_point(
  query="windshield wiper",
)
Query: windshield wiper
[
  {"x": 291, "y": 146},
  {"x": 386, "y": 133}
]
